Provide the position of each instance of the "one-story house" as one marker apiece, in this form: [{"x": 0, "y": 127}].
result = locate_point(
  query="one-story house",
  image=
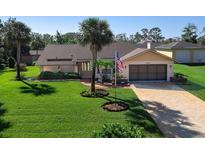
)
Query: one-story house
[
  {"x": 140, "y": 63},
  {"x": 183, "y": 52}
]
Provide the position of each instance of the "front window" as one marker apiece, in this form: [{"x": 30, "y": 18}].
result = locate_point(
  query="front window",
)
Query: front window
[{"x": 86, "y": 66}]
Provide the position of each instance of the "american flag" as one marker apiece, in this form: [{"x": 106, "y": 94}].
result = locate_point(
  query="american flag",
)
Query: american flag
[{"x": 119, "y": 63}]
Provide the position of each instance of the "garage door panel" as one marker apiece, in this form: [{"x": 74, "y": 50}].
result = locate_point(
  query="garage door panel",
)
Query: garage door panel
[
  {"x": 161, "y": 76},
  {"x": 142, "y": 69},
  {"x": 152, "y": 76},
  {"x": 148, "y": 72},
  {"x": 151, "y": 68},
  {"x": 161, "y": 69},
  {"x": 142, "y": 76}
]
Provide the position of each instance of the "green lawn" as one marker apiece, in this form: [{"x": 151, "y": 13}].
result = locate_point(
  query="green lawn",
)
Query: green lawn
[
  {"x": 28, "y": 110},
  {"x": 196, "y": 77}
]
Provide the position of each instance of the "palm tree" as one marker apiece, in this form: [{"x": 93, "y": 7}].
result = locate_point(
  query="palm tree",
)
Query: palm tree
[
  {"x": 16, "y": 34},
  {"x": 96, "y": 33}
]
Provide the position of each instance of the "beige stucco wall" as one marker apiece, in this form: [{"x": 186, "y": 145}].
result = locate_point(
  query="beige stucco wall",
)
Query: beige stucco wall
[
  {"x": 148, "y": 58},
  {"x": 66, "y": 68}
]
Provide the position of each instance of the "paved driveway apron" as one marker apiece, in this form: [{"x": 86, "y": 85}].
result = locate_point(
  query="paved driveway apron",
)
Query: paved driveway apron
[{"x": 177, "y": 112}]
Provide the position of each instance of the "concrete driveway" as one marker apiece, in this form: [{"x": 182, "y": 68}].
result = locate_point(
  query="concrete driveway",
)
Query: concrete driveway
[{"x": 177, "y": 112}]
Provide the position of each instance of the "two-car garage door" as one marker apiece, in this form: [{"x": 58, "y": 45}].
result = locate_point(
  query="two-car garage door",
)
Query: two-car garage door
[{"x": 148, "y": 72}]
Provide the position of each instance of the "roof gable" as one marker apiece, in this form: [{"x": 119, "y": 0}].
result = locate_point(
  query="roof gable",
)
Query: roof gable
[{"x": 140, "y": 51}]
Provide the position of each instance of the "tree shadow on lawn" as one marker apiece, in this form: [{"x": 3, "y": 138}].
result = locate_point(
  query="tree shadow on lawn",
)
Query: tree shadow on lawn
[
  {"x": 3, "y": 124},
  {"x": 137, "y": 114},
  {"x": 37, "y": 89},
  {"x": 171, "y": 122}
]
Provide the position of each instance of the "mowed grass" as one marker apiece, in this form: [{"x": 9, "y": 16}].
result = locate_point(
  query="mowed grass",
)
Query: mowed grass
[
  {"x": 196, "y": 79},
  {"x": 56, "y": 109}
]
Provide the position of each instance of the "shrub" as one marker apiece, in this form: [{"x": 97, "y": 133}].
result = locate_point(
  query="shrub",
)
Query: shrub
[
  {"x": 12, "y": 62},
  {"x": 2, "y": 66},
  {"x": 72, "y": 75},
  {"x": 57, "y": 75},
  {"x": 51, "y": 75},
  {"x": 121, "y": 131},
  {"x": 97, "y": 93}
]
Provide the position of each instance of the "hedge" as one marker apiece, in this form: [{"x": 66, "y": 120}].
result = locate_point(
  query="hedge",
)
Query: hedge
[{"x": 47, "y": 75}]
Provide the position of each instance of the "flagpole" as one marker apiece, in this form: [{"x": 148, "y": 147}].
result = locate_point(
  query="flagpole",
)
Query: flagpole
[{"x": 115, "y": 75}]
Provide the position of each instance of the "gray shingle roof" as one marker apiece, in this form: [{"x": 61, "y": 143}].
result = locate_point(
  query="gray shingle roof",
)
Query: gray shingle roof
[
  {"x": 79, "y": 53},
  {"x": 143, "y": 44},
  {"x": 180, "y": 45}
]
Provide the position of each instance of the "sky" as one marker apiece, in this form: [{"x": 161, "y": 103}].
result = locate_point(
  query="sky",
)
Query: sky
[{"x": 171, "y": 26}]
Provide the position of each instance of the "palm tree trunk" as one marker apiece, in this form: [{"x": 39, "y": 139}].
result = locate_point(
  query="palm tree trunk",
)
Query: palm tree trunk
[
  {"x": 94, "y": 53},
  {"x": 18, "y": 75}
]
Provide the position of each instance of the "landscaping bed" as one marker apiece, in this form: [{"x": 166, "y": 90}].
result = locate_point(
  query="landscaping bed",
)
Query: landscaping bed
[
  {"x": 115, "y": 106},
  {"x": 97, "y": 93}
]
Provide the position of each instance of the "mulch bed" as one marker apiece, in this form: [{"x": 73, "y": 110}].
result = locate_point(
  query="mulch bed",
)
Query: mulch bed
[
  {"x": 98, "y": 93},
  {"x": 107, "y": 84},
  {"x": 115, "y": 106}
]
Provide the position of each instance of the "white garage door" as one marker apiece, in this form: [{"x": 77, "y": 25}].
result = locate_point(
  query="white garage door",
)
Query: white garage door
[
  {"x": 199, "y": 56},
  {"x": 183, "y": 56}
]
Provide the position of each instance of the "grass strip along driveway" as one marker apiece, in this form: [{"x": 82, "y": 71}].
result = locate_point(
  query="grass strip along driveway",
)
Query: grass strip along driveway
[
  {"x": 56, "y": 109},
  {"x": 196, "y": 79}
]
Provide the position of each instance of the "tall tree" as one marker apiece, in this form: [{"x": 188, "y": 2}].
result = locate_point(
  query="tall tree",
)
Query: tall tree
[
  {"x": 59, "y": 38},
  {"x": 145, "y": 34},
  {"x": 138, "y": 37},
  {"x": 155, "y": 34},
  {"x": 37, "y": 42},
  {"x": 1, "y": 34},
  {"x": 121, "y": 37},
  {"x": 201, "y": 39},
  {"x": 2, "y": 59},
  {"x": 17, "y": 34},
  {"x": 96, "y": 33},
  {"x": 189, "y": 33},
  {"x": 48, "y": 39},
  {"x": 71, "y": 38}
]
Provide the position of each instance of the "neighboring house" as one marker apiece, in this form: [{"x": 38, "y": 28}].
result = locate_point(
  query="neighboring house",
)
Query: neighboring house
[
  {"x": 140, "y": 63},
  {"x": 183, "y": 52},
  {"x": 32, "y": 57}
]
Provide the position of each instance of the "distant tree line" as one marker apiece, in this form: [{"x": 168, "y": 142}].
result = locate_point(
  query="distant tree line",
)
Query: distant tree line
[{"x": 190, "y": 33}]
